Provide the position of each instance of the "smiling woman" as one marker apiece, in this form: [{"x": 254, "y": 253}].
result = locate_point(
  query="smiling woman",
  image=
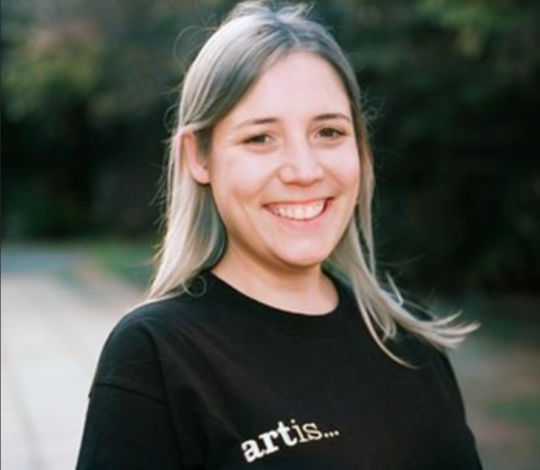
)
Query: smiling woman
[
  {"x": 265, "y": 325},
  {"x": 285, "y": 200}
]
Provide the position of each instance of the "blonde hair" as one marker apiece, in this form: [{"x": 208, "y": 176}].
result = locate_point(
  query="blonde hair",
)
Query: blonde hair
[{"x": 253, "y": 37}]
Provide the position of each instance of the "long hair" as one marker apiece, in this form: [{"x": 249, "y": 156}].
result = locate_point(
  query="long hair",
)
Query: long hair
[{"x": 253, "y": 37}]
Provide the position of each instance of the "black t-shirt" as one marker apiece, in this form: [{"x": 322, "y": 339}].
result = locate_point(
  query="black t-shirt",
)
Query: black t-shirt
[{"x": 220, "y": 381}]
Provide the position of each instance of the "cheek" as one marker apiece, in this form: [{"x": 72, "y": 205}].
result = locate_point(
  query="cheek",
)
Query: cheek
[
  {"x": 347, "y": 172},
  {"x": 236, "y": 183}
]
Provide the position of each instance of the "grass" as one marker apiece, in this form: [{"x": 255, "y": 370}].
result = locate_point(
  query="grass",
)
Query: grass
[
  {"x": 130, "y": 260},
  {"x": 525, "y": 410}
]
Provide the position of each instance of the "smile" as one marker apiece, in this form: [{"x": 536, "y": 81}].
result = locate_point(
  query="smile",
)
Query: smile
[{"x": 298, "y": 211}]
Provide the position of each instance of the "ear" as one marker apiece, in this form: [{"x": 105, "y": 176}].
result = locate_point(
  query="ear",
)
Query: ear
[{"x": 196, "y": 162}]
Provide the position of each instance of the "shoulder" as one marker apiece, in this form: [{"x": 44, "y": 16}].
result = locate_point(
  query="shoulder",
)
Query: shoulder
[
  {"x": 134, "y": 334},
  {"x": 134, "y": 352},
  {"x": 437, "y": 367},
  {"x": 178, "y": 312}
]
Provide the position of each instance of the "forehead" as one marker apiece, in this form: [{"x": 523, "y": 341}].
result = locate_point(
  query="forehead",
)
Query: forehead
[{"x": 299, "y": 85}]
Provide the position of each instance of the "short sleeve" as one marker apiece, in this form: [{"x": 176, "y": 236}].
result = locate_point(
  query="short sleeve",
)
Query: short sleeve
[
  {"x": 125, "y": 430},
  {"x": 128, "y": 423},
  {"x": 445, "y": 368},
  {"x": 130, "y": 360}
]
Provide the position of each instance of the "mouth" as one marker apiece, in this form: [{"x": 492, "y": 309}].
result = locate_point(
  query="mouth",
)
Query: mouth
[{"x": 300, "y": 212}]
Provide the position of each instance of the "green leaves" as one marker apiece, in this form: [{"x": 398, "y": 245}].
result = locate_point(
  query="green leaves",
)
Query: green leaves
[{"x": 452, "y": 86}]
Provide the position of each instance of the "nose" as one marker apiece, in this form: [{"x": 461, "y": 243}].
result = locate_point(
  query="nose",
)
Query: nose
[{"x": 301, "y": 165}]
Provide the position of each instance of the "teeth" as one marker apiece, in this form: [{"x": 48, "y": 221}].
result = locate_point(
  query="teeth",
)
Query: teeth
[{"x": 298, "y": 211}]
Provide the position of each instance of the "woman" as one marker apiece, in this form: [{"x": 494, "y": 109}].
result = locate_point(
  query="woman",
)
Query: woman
[{"x": 266, "y": 340}]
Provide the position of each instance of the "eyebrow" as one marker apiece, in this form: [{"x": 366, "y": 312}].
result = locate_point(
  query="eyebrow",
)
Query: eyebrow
[{"x": 268, "y": 120}]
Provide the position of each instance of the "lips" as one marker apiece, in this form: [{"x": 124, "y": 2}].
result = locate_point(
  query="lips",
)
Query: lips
[{"x": 299, "y": 211}]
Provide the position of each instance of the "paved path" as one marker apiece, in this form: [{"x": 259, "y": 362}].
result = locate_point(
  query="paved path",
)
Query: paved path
[{"x": 57, "y": 309}]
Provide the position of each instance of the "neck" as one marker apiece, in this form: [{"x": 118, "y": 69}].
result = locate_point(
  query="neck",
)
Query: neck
[{"x": 297, "y": 290}]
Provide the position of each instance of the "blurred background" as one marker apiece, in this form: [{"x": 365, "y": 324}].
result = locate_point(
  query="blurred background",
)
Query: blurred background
[{"x": 452, "y": 91}]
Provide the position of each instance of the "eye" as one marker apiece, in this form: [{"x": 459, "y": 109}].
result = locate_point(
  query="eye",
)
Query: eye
[
  {"x": 331, "y": 133},
  {"x": 257, "y": 139}
]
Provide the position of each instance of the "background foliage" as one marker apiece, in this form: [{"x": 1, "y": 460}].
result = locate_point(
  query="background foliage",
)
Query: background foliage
[{"x": 452, "y": 88}]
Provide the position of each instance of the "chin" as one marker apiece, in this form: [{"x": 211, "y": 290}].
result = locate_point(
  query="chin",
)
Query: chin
[{"x": 305, "y": 261}]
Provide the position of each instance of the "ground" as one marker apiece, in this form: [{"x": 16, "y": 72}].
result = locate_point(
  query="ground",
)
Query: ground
[{"x": 57, "y": 309}]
